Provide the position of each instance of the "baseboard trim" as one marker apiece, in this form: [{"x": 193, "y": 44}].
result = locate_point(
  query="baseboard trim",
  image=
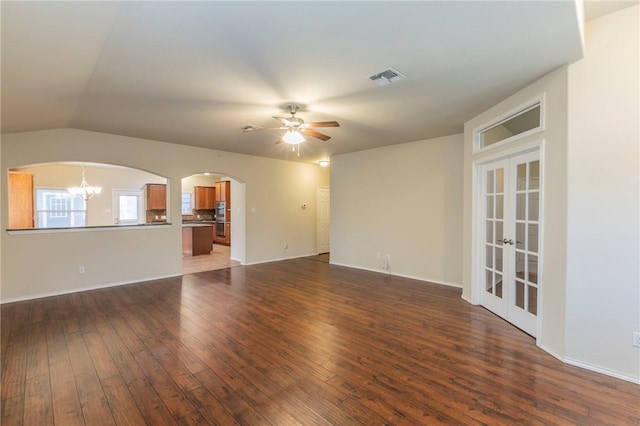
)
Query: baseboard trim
[
  {"x": 601, "y": 370},
  {"x": 550, "y": 352},
  {"x": 258, "y": 262},
  {"x": 427, "y": 280},
  {"x": 82, "y": 289}
]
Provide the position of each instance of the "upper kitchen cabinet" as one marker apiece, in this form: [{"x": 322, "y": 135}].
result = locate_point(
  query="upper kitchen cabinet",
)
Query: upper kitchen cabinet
[
  {"x": 223, "y": 191},
  {"x": 204, "y": 197},
  {"x": 156, "y": 196},
  {"x": 20, "y": 200}
]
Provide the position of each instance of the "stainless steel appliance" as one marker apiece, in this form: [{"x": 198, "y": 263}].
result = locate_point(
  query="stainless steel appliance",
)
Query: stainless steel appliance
[
  {"x": 220, "y": 218},
  {"x": 220, "y": 232},
  {"x": 220, "y": 211}
]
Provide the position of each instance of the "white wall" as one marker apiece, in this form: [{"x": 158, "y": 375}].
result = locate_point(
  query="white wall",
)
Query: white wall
[
  {"x": 603, "y": 257},
  {"x": 274, "y": 188},
  {"x": 404, "y": 201}
]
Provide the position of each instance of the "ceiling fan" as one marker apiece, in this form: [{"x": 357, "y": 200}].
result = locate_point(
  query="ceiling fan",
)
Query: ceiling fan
[{"x": 295, "y": 127}]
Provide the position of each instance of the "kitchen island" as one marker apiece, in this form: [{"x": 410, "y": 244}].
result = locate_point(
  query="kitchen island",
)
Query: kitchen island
[{"x": 197, "y": 238}]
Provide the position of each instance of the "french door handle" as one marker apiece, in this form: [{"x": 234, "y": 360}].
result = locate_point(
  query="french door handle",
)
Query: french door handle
[{"x": 505, "y": 241}]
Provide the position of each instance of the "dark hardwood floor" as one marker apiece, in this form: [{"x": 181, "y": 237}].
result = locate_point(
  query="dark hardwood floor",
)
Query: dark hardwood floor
[{"x": 298, "y": 342}]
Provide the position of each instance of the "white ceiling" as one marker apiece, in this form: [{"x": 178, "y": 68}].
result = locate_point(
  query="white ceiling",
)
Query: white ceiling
[{"x": 195, "y": 73}]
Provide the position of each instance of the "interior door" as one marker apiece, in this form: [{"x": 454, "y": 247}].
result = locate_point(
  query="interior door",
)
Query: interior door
[
  {"x": 324, "y": 220},
  {"x": 510, "y": 245}
]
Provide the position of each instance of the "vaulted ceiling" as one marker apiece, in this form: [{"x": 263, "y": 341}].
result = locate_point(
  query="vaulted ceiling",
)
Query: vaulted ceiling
[{"x": 195, "y": 73}]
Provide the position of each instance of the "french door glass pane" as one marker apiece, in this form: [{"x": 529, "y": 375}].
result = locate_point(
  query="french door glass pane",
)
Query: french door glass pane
[
  {"x": 499, "y": 234},
  {"x": 499, "y": 206},
  {"x": 532, "y": 300},
  {"x": 490, "y": 182},
  {"x": 489, "y": 206},
  {"x": 489, "y": 282},
  {"x": 489, "y": 230},
  {"x": 533, "y": 205},
  {"x": 521, "y": 183},
  {"x": 532, "y": 237},
  {"x": 520, "y": 237},
  {"x": 534, "y": 175},
  {"x": 489, "y": 256},
  {"x": 520, "y": 295},
  {"x": 521, "y": 203},
  {"x": 498, "y": 259},
  {"x": 499, "y": 180},
  {"x": 532, "y": 268},
  {"x": 520, "y": 265}
]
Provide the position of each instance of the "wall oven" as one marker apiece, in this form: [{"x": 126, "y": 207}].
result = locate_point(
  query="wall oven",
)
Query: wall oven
[
  {"x": 220, "y": 218},
  {"x": 220, "y": 232}
]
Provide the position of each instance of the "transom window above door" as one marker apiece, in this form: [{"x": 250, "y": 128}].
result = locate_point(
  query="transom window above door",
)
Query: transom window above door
[{"x": 523, "y": 122}]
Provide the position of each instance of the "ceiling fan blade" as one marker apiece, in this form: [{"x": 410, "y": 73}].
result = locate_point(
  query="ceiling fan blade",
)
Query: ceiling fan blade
[
  {"x": 279, "y": 141},
  {"x": 250, "y": 128},
  {"x": 315, "y": 134},
  {"x": 324, "y": 124},
  {"x": 285, "y": 120}
]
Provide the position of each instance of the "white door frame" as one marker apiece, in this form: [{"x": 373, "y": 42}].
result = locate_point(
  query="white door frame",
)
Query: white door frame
[{"x": 477, "y": 222}]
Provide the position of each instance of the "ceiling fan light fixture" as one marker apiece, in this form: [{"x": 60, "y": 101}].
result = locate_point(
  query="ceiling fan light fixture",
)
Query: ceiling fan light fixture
[
  {"x": 293, "y": 137},
  {"x": 323, "y": 163}
]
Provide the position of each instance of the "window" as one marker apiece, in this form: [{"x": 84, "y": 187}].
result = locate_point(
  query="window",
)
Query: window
[
  {"x": 56, "y": 208},
  {"x": 523, "y": 122},
  {"x": 128, "y": 207},
  {"x": 186, "y": 203}
]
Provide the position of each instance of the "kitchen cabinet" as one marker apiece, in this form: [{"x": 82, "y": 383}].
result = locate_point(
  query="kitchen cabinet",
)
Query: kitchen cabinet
[
  {"x": 196, "y": 239},
  {"x": 223, "y": 194},
  {"x": 223, "y": 191},
  {"x": 223, "y": 239},
  {"x": 156, "y": 196},
  {"x": 20, "y": 200},
  {"x": 204, "y": 197}
]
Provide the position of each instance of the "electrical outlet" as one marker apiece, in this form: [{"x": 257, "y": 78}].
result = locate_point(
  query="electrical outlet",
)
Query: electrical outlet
[
  {"x": 388, "y": 257},
  {"x": 286, "y": 246},
  {"x": 636, "y": 339},
  {"x": 81, "y": 269}
]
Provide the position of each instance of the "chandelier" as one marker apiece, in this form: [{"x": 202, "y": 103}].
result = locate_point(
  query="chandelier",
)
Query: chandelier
[{"x": 84, "y": 191}]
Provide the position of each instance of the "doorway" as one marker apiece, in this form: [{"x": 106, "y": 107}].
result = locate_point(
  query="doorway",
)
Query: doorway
[
  {"x": 509, "y": 247},
  {"x": 202, "y": 194}
]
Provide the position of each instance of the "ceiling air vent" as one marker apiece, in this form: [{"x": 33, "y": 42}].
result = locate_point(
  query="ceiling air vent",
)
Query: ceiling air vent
[{"x": 387, "y": 76}]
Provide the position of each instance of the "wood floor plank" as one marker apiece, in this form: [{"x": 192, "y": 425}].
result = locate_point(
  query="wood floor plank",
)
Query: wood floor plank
[
  {"x": 67, "y": 409},
  {"x": 285, "y": 343},
  {"x": 38, "y": 399}
]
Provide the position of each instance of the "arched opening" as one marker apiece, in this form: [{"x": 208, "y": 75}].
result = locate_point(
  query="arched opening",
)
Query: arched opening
[{"x": 213, "y": 222}]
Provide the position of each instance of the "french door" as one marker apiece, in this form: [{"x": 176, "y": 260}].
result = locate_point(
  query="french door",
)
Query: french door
[{"x": 509, "y": 253}]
